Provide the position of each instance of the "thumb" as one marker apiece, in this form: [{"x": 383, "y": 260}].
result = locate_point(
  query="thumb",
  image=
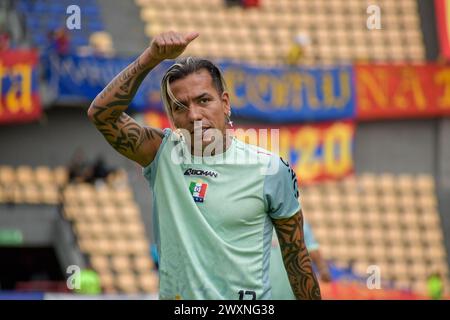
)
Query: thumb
[{"x": 191, "y": 36}]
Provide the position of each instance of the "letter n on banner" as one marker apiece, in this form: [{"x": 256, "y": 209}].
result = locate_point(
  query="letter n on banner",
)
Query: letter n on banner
[{"x": 19, "y": 87}]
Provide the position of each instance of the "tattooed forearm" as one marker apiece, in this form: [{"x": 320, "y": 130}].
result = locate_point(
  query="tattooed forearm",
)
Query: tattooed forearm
[
  {"x": 296, "y": 258},
  {"x": 121, "y": 131}
]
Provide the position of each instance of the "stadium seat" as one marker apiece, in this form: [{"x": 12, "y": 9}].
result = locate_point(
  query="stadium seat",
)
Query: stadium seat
[
  {"x": 338, "y": 234},
  {"x": 139, "y": 246},
  {"x": 430, "y": 220},
  {"x": 70, "y": 196},
  {"x": 130, "y": 212},
  {"x": 50, "y": 194},
  {"x": 31, "y": 194},
  {"x": 43, "y": 175},
  {"x": 82, "y": 229},
  {"x": 126, "y": 282},
  {"x": 121, "y": 263},
  {"x": 122, "y": 195},
  {"x": 70, "y": 211},
  {"x": 114, "y": 229},
  {"x": 148, "y": 282},
  {"x": 24, "y": 175},
  {"x": 391, "y": 220},
  {"x": 100, "y": 263},
  {"x": 334, "y": 217},
  {"x": 425, "y": 182},
  {"x": 107, "y": 281},
  {"x": 89, "y": 213},
  {"x": 133, "y": 230},
  {"x": 394, "y": 236},
  {"x": 142, "y": 263},
  {"x": 433, "y": 237},
  {"x": 86, "y": 245},
  {"x": 417, "y": 253},
  {"x": 356, "y": 234},
  {"x": 7, "y": 175},
  {"x": 109, "y": 213},
  {"x": 61, "y": 176},
  {"x": 17, "y": 194}
]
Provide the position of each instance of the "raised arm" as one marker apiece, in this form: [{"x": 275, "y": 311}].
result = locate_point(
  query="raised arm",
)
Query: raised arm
[
  {"x": 296, "y": 258},
  {"x": 107, "y": 111}
]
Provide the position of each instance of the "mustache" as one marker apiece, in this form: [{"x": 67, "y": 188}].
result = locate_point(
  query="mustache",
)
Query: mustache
[{"x": 200, "y": 127}]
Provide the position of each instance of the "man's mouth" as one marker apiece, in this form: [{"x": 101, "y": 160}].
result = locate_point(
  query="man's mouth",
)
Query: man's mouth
[{"x": 203, "y": 130}]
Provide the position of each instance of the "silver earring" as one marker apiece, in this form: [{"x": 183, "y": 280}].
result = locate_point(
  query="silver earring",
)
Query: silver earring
[{"x": 230, "y": 123}]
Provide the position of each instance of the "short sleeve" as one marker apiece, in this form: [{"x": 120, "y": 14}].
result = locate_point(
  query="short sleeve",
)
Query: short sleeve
[
  {"x": 281, "y": 189},
  {"x": 150, "y": 170}
]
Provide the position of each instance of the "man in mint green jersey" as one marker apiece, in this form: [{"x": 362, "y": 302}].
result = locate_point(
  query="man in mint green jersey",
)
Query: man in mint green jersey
[{"x": 216, "y": 200}]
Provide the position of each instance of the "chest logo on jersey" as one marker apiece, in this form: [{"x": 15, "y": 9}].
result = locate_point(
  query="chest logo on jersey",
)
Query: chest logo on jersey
[
  {"x": 198, "y": 190},
  {"x": 199, "y": 172}
]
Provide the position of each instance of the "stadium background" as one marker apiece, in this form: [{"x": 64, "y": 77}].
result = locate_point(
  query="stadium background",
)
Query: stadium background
[{"x": 363, "y": 116}]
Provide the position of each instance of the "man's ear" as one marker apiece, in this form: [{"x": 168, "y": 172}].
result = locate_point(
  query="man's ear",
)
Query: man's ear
[{"x": 226, "y": 103}]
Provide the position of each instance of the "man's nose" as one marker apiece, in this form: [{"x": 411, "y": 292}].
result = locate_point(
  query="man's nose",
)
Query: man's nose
[{"x": 194, "y": 114}]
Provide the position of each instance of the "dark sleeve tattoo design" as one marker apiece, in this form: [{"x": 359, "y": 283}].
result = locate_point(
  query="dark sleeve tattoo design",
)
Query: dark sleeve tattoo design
[
  {"x": 107, "y": 112},
  {"x": 123, "y": 133},
  {"x": 128, "y": 81},
  {"x": 296, "y": 258}
]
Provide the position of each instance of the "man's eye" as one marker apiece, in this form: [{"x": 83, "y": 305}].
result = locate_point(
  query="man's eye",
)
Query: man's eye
[
  {"x": 204, "y": 101},
  {"x": 177, "y": 107}
]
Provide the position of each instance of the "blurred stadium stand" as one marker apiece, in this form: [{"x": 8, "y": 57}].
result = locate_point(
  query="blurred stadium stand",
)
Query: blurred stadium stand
[
  {"x": 106, "y": 223},
  {"x": 393, "y": 213},
  {"x": 387, "y": 220},
  {"x": 109, "y": 230},
  {"x": 31, "y": 186},
  {"x": 45, "y": 16},
  {"x": 116, "y": 14},
  {"x": 264, "y": 34}
]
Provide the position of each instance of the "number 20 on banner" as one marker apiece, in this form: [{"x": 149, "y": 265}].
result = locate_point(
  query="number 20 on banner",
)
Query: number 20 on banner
[
  {"x": 319, "y": 152},
  {"x": 315, "y": 152}
]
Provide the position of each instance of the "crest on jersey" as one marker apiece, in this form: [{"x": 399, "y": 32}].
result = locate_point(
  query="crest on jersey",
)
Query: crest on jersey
[{"x": 198, "y": 190}]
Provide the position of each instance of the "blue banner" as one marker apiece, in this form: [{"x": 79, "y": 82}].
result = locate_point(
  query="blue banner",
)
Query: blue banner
[
  {"x": 277, "y": 94},
  {"x": 76, "y": 78},
  {"x": 286, "y": 94}
]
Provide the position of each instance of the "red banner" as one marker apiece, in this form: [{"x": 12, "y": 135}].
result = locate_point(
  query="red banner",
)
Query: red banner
[
  {"x": 19, "y": 87},
  {"x": 156, "y": 120},
  {"x": 442, "y": 12},
  {"x": 316, "y": 152},
  {"x": 402, "y": 91}
]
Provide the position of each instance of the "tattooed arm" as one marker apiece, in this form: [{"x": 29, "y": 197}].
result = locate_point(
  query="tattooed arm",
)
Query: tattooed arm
[
  {"x": 107, "y": 110},
  {"x": 296, "y": 258}
]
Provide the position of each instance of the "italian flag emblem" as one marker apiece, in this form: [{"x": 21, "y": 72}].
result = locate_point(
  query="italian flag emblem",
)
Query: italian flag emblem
[{"x": 198, "y": 190}]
